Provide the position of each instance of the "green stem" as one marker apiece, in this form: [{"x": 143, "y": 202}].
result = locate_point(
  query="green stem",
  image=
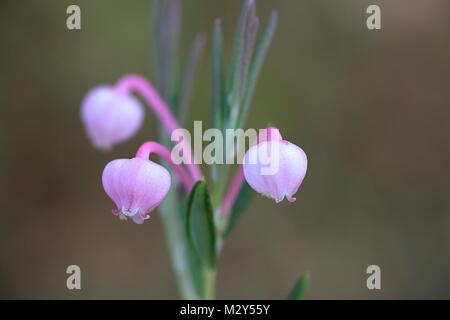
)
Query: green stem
[
  {"x": 209, "y": 280},
  {"x": 178, "y": 249},
  {"x": 220, "y": 187}
]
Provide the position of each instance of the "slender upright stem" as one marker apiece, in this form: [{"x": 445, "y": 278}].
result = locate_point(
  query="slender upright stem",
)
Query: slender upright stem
[
  {"x": 174, "y": 230},
  {"x": 209, "y": 279},
  {"x": 139, "y": 84},
  {"x": 233, "y": 190}
]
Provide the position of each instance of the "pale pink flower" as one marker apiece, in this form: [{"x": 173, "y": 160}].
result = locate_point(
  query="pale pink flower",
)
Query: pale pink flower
[
  {"x": 110, "y": 116},
  {"x": 275, "y": 168},
  {"x": 137, "y": 186}
]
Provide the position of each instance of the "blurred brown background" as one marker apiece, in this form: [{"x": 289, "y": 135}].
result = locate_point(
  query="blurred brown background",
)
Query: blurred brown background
[{"x": 370, "y": 108}]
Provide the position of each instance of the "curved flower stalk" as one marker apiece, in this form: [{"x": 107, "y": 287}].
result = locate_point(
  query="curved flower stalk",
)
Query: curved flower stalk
[
  {"x": 130, "y": 83},
  {"x": 148, "y": 148},
  {"x": 137, "y": 186},
  {"x": 112, "y": 115}
]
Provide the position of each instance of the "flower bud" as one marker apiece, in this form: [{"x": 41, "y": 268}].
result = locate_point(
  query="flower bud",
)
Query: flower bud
[
  {"x": 275, "y": 168},
  {"x": 110, "y": 116},
  {"x": 137, "y": 186}
]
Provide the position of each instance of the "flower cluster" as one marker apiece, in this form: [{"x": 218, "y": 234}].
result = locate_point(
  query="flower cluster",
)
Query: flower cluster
[
  {"x": 273, "y": 166},
  {"x": 137, "y": 186}
]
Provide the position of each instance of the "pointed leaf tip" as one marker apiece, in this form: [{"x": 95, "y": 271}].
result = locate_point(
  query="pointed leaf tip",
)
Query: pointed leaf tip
[{"x": 300, "y": 289}]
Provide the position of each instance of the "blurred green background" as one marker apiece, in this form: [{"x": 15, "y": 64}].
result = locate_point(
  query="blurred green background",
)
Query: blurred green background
[{"x": 370, "y": 109}]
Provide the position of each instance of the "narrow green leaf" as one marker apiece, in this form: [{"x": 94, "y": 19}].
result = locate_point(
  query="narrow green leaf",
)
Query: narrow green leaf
[
  {"x": 157, "y": 40},
  {"x": 188, "y": 80},
  {"x": 249, "y": 45},
  {"x": 300, "y": 290},
  {"x": 256, "y": 66},
  {"x": 167, "y": 18},
  {"x": 242, "y": 202},
  {"x": 218, "y": 113},
  {"x": 237, "y": 46},
  {"x": 200, "y": 224},
  {"x": 235, "y": 71}
]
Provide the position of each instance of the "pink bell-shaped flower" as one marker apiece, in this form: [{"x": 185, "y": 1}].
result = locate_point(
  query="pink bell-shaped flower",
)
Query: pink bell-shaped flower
[
  {"x": 137, "y": 186},
  {"x": 110, "y": 116},
  {"x": 275, "y": 168}
]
